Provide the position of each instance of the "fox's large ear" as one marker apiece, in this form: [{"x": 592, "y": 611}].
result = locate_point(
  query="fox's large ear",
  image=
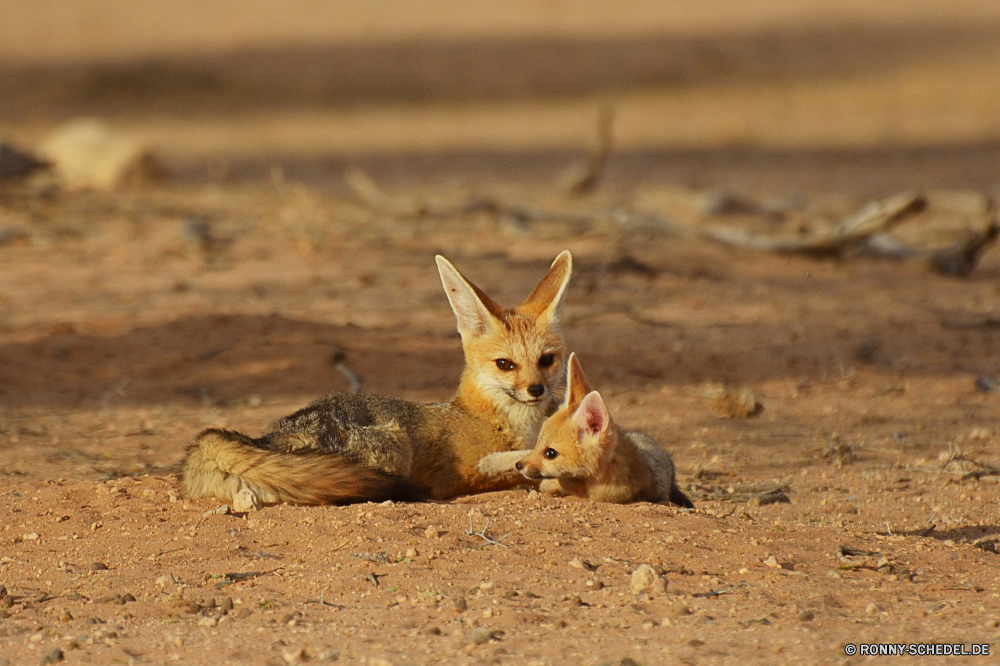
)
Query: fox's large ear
[
  {"x": 577, "y": 385},
  {"x": 592, "y": 417},
  {"x": 475, "y": 312},
  {"x": 544, "y": 300}
]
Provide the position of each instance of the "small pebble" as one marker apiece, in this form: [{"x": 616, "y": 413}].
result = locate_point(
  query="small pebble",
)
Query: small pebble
[
  {"x": 431, "y": 631},
  {"x": 480, "y": 635},
  {"x": 628, "y": 661},
  {"x": 244, "y": 613},
  {"x": 772, "y": 562},
  {"x": 330, "y": 655},
  {"x": 208, "y": 622},
  {"x": 807, "y": 616},
  {"x": 227, "y": 604},
  {"x": 431, "y": 532},
  {"x": 53, "y": 657},
  {"x": 246, "y": 500},
  {"x": 411, "y": 553},
  {"x": 98, "y": 566},
  {"x": 163, "y": 581},
  {"x": 294, "y": 656},
  {"x": 645, "y": 579},
  {"x": 872, "y": 609},
  {"x": 461, "y": 605},
  {"x": 66, "y": 617}
]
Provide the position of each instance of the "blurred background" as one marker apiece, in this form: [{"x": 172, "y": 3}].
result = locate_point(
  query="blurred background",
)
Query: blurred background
[{"x": 785, "y": 95}]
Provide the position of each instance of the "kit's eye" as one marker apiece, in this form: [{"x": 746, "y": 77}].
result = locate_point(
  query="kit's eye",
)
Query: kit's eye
[
  {"x": 547, "y": 360},
  {"x": 551, "y": 453},
  {"x": 505, "y": 364}
]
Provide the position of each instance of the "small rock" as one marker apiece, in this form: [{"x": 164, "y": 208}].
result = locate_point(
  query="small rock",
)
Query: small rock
[
  {"x": 128, "y": 597},
  {"x": 208, "y": 621},
  {"x": 6, "y": 601},
  {"x": 577, "y": 563},
  {"x": 32, "y": 536},
  {"x": 460, "y": 604},
  {"x": 480, "y": 635},
  {"x": 411, "y": 553},
  {"x": 531, "y": 595},
  {"x": 221, "y": 510},
  {"x": 628, "y": 661},
  {"x": 329, "y": 655},
  {"x": 227, "y": 604},
  {"x": 244, "y": 613},
  {"x": 86, "y": 154},
  {"x": 645, "y": 579},
  {"x": 294, "y": 656},
  {"x": 66, "y": 617},
  {"x": 149, "y": 493},
  {"x": 533, "y": 495},
  {"x": 53, "y": 657},
  {"x": 246, "y": 500},
  {"x": 98, "y": 566},
  {"x": 873, "y": 609},
  {"x": 431, "y": 631},
  {"x": 772, "y": 562},
  {"x": 431, "y": 532},
  {"x": 732, "y": 404},
  {"x": 165, "y": 580},
  {"x": 807, "y": 616}
]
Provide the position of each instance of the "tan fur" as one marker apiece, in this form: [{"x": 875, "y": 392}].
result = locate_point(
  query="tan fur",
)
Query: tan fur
[
  {"x": 222, "y": 463},
  {"x": 435, "y": 446},
  {"x": 593, "y": 457}
]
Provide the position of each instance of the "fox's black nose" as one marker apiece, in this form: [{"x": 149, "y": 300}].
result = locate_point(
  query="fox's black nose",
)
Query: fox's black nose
[
  {"x": 519, "y": 465},
  {"x": 536, "y": 390}
]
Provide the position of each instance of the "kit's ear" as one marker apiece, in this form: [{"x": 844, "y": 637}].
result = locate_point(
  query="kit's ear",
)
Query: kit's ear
[
  {"x": 476, "y": 313},
  {"x": 545, "y": 299},
  {"x": 592, "y": 418}
]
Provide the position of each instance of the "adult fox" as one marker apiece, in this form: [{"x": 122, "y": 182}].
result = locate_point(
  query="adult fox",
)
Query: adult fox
[{"x": 346, "y": 448}]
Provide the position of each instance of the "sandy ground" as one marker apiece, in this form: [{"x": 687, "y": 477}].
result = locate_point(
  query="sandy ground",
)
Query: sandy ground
[{"x": 124, "y": 331}]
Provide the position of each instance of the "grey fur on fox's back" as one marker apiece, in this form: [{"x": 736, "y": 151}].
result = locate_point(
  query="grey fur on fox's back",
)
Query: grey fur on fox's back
[{"x": 375, "y": 430}]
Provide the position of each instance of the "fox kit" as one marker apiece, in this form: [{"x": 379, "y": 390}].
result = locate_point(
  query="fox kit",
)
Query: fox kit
[
  {"x": 353, "y": 448},
  {"x": 580, "y": 451}
]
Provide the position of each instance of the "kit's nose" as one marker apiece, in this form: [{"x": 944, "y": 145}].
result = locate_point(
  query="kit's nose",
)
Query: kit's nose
[{"x": 536, "y": 390}]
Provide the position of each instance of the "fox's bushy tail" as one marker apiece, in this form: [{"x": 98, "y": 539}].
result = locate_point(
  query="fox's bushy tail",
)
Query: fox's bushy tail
[{"x": 222, "y": 462}]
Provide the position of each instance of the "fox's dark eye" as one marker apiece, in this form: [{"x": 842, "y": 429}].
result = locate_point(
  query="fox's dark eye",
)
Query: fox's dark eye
[
  {"x": 505, "y": 364},
  {"x": 546, "y": 360},
  {"x": 551, "y": 453}
]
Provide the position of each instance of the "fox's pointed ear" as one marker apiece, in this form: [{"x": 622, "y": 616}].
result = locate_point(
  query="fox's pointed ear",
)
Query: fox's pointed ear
[
  {"x": 475, "y": 312},
  {"x": 592, "y": 417},
  {"x": 577, "y": 385},
  {"x": 545, "y": 299}
]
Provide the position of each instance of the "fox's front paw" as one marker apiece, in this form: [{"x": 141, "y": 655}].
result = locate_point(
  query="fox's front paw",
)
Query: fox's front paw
[{"x": 499, "y": 463}]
